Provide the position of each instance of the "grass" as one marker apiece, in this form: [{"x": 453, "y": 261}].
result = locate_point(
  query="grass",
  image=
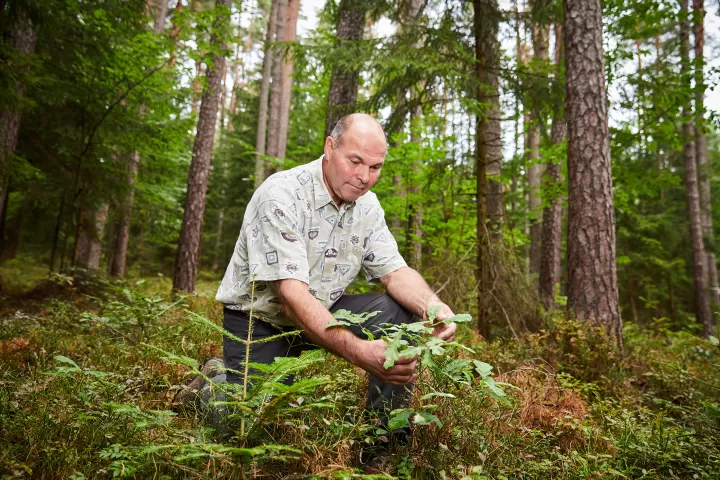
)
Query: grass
[{"x": 85, "y": 392}]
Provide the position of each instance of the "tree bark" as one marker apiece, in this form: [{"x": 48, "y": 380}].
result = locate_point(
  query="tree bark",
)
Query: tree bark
[
  {"x": 118, "y": 266},
  {"x": 90, "y": 239},
  {"x": 701, "y": 154},
  {"x": 260, "y": 139},
  {"x": 189, "y": 246},
  {"x": 592, "y": 270},
  {"x": 160, "y": 16},
  {"x": 552, "y": 215},
  {"x": 121, "y": 234},
  {"x": 488, "y": 147},
  {"x": 276, "y": 89},
  {"x": 702, "y": 304},
  {"x": 22, "y": 38},
  {"x": 344, "y": 81},
  {"x": 540, "y": 34},
  {"x": 293, "y": 12}
]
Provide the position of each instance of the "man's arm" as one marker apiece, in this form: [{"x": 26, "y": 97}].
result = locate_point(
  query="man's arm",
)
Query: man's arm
[
  {"x": 312, "y": 318},
  {"x": 410, "y": 290}
]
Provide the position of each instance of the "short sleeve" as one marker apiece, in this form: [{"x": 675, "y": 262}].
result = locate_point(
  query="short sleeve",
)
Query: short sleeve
[
  {"x": 381, "y": 255},
  {"x": 276, "y": 249}
]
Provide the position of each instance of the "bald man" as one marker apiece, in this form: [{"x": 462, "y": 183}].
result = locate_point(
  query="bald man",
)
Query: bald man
[{"x": 305, "y": 235}]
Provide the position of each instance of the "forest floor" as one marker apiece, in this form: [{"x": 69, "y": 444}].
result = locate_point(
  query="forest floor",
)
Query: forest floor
[{"x": 89, "y": 368}]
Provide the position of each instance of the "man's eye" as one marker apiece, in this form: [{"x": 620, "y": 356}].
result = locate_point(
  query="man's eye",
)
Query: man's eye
[{"x": 376, "y": 167}]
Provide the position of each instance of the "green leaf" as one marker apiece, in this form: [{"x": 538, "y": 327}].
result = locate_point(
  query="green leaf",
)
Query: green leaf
[
  {"x": 425, "y": 418},
  {"x": 714, "y": 340},
  {"x": 483, "y": 369},
  {"x": 64, "y": 359},
  {"x": 399, "y": 419}
]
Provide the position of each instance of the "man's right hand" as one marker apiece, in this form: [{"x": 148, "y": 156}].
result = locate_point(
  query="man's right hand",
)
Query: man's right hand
[{"x": 371, "y": 358}]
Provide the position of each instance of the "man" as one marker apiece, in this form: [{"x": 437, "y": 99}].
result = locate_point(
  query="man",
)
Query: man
[{"x": 305, "y": 235}]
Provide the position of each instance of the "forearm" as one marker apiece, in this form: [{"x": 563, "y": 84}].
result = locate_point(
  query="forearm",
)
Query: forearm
[
  {"x": 312, "y": 318},
  {"x": 410, "y": 290}
]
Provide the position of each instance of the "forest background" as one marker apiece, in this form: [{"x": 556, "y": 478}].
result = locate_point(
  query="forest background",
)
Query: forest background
[{"x": 552, "y": 170}]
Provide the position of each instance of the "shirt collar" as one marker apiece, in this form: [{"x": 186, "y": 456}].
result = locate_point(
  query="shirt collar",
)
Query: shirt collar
[{"x": 322, "y": 195}]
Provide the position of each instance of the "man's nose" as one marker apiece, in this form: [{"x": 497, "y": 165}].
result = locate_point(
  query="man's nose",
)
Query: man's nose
[{"x": 364, "y": 174}]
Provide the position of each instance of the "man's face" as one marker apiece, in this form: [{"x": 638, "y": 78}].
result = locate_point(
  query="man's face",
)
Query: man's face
[{"x": 353, "y": 167}]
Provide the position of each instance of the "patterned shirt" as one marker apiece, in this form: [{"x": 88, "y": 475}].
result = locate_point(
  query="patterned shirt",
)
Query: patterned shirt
[{"x": 292, "y": 229}]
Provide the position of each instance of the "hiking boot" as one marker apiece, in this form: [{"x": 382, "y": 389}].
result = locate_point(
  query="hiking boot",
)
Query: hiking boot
[
  {"x": 190, "y": 395},
  {"x": 377, "y": 460}
]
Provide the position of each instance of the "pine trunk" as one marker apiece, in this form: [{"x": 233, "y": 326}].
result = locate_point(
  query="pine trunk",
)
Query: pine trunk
[
  {"x": 261, "y": 138},
  {"x": 118, "y": 266},
  {"x": 22, "y": 38},
  {"x": 118, "y": 256},
  {"x": 344, "y": 81},
  {"x": 90, "y": 239},
  {"x": 552, "y": 215},
  {"x": 414, "y": 232},
  {"x": 701, "y": 154},
  {"x": 702, "y": 304},
  {"x": 488, "y": 147},
  {"x": 293, "y": 12},
  {"x": 540, "y": 34},
  {"x": 188, "y": 251},
  {"x": 160, "y": 16},
  {"x": 276, "y": 88},
  {"x": 592, "y": 274}
]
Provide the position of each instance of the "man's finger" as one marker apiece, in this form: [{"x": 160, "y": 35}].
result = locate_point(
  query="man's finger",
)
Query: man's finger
[{"x": 404, "y": 360}]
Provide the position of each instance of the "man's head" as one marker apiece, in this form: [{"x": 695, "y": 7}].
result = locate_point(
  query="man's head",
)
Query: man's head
[{"x": 354, "y": 155}]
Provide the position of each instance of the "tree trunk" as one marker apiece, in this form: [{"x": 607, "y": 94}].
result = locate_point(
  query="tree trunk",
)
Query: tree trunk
[
  {"x": 260, "y": 139},
  {"x": 160, "y": 16},
  {"x": 293, "y": 12},
  {"x": 121, "y": 234},
  {"x": 276, "y": 89},
  {"x": 90, "y": 238},
  {"x": 414, "y": 232},
  {"x": 488, "y": 147},
  {"x": 701, "y": 155},
  {"x": 344, "y": 81},
  {"x": 187, "y": 258},
  {"x": 702, "y": 304},
  {"x": 540, "y": 34},
  {"x": 22, "y": 38},
  {"x": 552, "y": 215},
  {"x": 592, "y": 268},
  {"x": 118, "y": 266}
]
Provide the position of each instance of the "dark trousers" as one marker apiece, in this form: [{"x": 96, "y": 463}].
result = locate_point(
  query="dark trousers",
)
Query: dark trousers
[{"x": 382, "y": 397}]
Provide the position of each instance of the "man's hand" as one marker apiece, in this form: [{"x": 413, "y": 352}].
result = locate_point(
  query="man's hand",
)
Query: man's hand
[
  {"x": 441, "y": 330},
  {"x": 371, "y": 358}
]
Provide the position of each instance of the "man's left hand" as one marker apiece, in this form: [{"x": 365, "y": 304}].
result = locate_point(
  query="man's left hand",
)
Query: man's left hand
[{"x": 442, "y": 330}]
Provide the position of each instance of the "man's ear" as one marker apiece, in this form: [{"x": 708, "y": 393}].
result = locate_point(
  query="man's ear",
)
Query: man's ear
[{"x": 328, "y": 149}]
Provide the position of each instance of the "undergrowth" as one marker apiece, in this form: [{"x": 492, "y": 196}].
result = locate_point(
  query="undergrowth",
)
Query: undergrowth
[{"x": 88, "y": 370}]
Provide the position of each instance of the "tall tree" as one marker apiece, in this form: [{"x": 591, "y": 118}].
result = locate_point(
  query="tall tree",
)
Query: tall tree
[
  {"x": 119, "y": 244},
  {"x": 293, "y": 12},
  {"x": 701, "y": 153},
  {"x": 189, "y": 247},
  {"x": 540, "y": 40},
  {"x": 592, "y": 274},
  {"x": 552, "y": 214},
  {"x": 344, "y": 79},
  {"x": 21, "y": 37},
  {"x": 261, "y": 138},
  {"x": 702, "y": 304},
  {"x": 410, "y": 15},
  {"x": 88, "y": 249},
  {"x": 488, "y": 146},
  {"x": 276, "y": 89}
]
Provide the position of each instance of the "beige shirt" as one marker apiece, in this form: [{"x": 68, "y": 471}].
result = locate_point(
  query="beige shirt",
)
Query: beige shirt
[{"x": 292, "y": 229}]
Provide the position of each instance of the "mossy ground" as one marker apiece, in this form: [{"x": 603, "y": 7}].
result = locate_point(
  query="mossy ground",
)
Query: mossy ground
[{"x": 574, "y": 407}]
